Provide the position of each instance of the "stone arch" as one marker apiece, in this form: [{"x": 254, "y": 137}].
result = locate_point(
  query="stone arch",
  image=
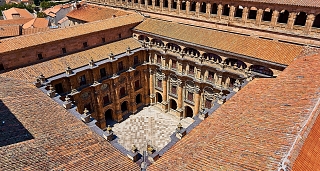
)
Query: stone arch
[
  {"x": 157, "y": 42},
  {"x": 183, "y": 5},
  {"x": 108, "y": 115},
  {"x": 135, "y": 1},
  {"x": 138, "y": 99},
  {"x": 173, "y": 46},
  {"x": 301, "y": 19},
  {"x": 124, "y": 106},
  {"x": 159, "y": 97},
  {"x": 191, "y": 51},
  {"x": 214, "y": 8},
  {"x": 193, "y": 6},
  {"x": 149, "y": 2},
  {"x": 267, "y": 14},
  {"x": 238, "y": 11},
  {"x": 226, "y": 10},
  {"x": 173, "y": 104},
  {"x": 212, "y": 56},
  {"x": 203, "y": 8},
  {"x": 122, "y": 92},
  {"x": 261, "y": 69},
  {"x": 232, "y": 62},
  {"x": 188, "y": 111},
  {"x": 165, "y": 3},
  {"x": 283, "y": 17},
  {"x": 174, "y": 4},
  {"x": 157, "y": 3},
  {"x": 143, "y": 38},
  {"x": 143, "y": 2},
  {"x": 252, "y": 13},
  {"x": 316, "y": 22}
]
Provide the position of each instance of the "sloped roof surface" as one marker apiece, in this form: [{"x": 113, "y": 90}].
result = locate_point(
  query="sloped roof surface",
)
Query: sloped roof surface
[
  {"x": 256, "y": 128},
  {"x": 267, "y": 50},
  {"x": 8, "y": 31},
  {"x": 307, "y": 3},
  {"x": 56, "y": 140},
  {"x": 36, "y": 23},
  {"x": 13, "y": 13},
  {"x": 19, "y": 21}
]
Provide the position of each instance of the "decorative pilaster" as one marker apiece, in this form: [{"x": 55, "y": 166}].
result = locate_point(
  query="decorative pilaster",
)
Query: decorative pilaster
[
  {"x": 152, "y": 95},
  {"x": 178, "y": 7},
  {"x": 208, "y": 10},
  {"x": 169, "y": 5},
  {"x": 309, "y": 23},
  {"x": 219, "y": 12},
  {"x": 245, "y": 13},
  {"x": 231, "y": 13},
  {"x": 197, "y": 9},
  {"x": 161, "y": 5},
  {"x": 274, "y": 18},
  {"x": 187, "y": 7},
  {"x": 259, "y": 16},
  {"x": 165, "y": 93},
  {"x": 153, "y": 4},
  {"x": 197, "y": 100}
]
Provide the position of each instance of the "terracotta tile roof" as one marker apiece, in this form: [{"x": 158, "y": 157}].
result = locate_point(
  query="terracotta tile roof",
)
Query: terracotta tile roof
[
  {"x": 36, "y": 23},
  {"x": 14, "y": 13},
  {"x": 307, "y": 3},
  {"x": 256, "y": 128},
  {"x": 58, "y": 65},
  {"x": 63, "y": 20},
  {"x": 8, "y": 31},
  {"x": 59, "y": 141},
  {"x": 89, "y": 13},
  {"x": 19, "y": 21},
  {"x": 268, "y": 50},
  {"x": 34, "y": 30},
  {"x": 25, "y": 41}
]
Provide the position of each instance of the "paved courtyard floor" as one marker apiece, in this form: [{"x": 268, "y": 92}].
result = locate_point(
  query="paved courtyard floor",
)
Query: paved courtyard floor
[{"x": 151, "y": 126}]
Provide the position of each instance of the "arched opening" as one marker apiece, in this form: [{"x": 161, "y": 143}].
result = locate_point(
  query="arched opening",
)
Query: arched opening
[
  {"x": 203, "y": 7},
  {"x": 157, "y": 3},
  {"x": 173, "y": 104},
  {"x": 232, "y": 62},
  {"x": 301, "y": 19},
  {"x": 208, "y": 103},
  {"x": 174, "y": 4},
  {"x": 108, "y": 116},
  {"x": 261, "y": 69},
  {"x": 143, "y": 38},
  {"x": 122, "y": 92},
  {"x": 252, "y": 13},
  {"x": 189, "y": 112},
  {"x": 149, "y": 2},
  {"x": 157, "y": 42},
  {"x": 238, "y": 13},
  {"x": 174, "y": 47},
  {"x": 124, "y": 106},
  {"x": 193, "y": 6},
  {"x": 316, "y": 22},
  {"x": 283, "y": 17},
  {"x": 165, "y": 4},
  {"x": 191, "y": 51},
  {"x": 212, "y": 56},
  {"x": 226, "y": 10},
  {"x": 143, "y": 2},
  {"x": 135, "y": 1},
  {"x": 159, "y": 98},
  {"x": 138, "y": 99},
  {"x": 267, "y": 14},
  {"x": 106, "y": 100},
  {"x": 214, "y": 8},
  {"x": 183, "y": 5}
]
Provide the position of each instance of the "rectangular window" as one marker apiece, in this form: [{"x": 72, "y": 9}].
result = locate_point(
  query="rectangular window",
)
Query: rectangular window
[
  {"x": 59, "y": 88},
  {"x": 1, "y": 67},
  {"x": 106, "y": 100},
  {"x": 103, "y": 40},
  {"x": 191, "y": 69},
  {"x": 208, "y": 104},
  {"x": 190, "y": 96},
  {"x": 174, "y": 89},
  {"x": 120, "y": 66},
  {"x": 40, "y": 56},
  {"x": 64, "y": 50},
  {"x": 174, "y": 64},
  {"x": 85, "y": 44},
  {"x": 159, "y": 83},
  {"x": 103, "y": 72},
  {"x": 210, "y": 76},
  {"x": 83, "y": 80},
  {"x": 119, "y": 35},
  {"x": 135, "y": 60},
  {"x": 137, "y": 85}
]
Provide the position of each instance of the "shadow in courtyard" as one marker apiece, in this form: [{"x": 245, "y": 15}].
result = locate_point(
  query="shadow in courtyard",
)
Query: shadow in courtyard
[{"x": 11, "y": 129}]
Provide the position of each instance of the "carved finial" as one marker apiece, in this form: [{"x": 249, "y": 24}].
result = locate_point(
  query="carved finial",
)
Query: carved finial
[
  {"x": 134, "y": 148},
  {"x": 91, "y": 62},
  {"x": 51, "y": 88},
  {"x": 85, "y": 111},
  {"x": 128, "y": 49},
  {"x": 68, "y": 70},
  {"x": 109, "y": 129},
  {"x": 67, "y": 99},
  {"x": 179, "y": 126},
  {"x": 111, "y": 55}
]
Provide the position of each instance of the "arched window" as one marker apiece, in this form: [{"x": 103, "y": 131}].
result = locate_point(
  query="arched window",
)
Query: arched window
[
  {"x": 188, "y": 111},
  {"x": 191, "y": 51},
  {"x": 203, "y": 7},
  {"x": 173, "y": 104},
  {"x": 238, "y": 13},
  {"x": 173, "y": 46},
  {"x": 232, "y": 62},
  {"x": 283, "y": 16},
  {"x": 157, "y": 2},
  {"x": 252, "y": 13},
  {"x": 137, "y": 85},
  {"x": 183, "y": 5},
  {"x": 214, "y": 8},
  {"x": 165, "y": 4},
  {"x": 261, "y": 69},
  {"x": 301, "y": 19},
  {"x": 149, "y": 2},
  {"x": 212, "y": 56},
  {"x": 157, "y": 42},
  {"x": 106, "y": 100},
  {"x": 193, "y": 6},
  {"x": 138, "y": 99},
  {"x": 143, "y": 38},
  {"x": 267, "y": 14},
  {"x": 316, "y": 22},
  {"x": 226, "y": 10},
  {"x": 159, "y": 98},
  {"x": 122, "y": 92},
  {"x": 124, "y": 106}
]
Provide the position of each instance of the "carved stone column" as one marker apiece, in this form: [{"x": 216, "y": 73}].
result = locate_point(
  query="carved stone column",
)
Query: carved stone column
[
  {"x": 292, "y": 18},
  {"x": 153, "y": 4},
  {"x": 187, "y": 7},
  {"x": 152, "y": 95},
  {"x": 118, "y": 111},
  {"x": 165, "y": 93},
  {"x": 146, "y": 88},
  {"x": 274, "y": 18},
  {"x": 309, "y": 23},
  {"x": 208, "y": 10},
  {"x": 169, "y": 5},
  {"x": 219, "y": 12},
  {"x": 178, "y": 6},
  {"x": 139, "y": 3},
  {"x": 259, "y": 16},
  {"x": 245, "y": 13},
  {"x": 197, "y": 9},
  {"x": 161, "y": 5},
  {"x": 231, "y": 13},
  {"x": 180, "y": 98},
  {"x": 197, "y": 100}
]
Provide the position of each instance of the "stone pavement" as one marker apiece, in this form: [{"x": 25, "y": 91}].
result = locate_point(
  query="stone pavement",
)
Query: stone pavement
[{"x": 151, "y": 126}]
